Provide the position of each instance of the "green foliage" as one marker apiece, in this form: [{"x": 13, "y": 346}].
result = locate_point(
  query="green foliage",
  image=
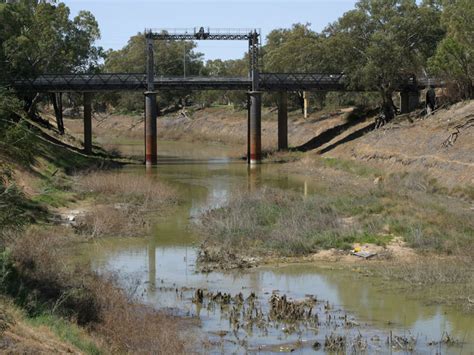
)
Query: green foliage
[
  {"x": 298, "y": 49},
  {"x": 39, "y": 37},
  {"x": 454, "y": 58},
  {"x": 381, "y": 41},
  {"x": 169, "y": 60},
  {"x": 14, "y": 206}
]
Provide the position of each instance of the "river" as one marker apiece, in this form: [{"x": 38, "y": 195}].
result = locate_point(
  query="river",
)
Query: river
[{"x": 160, "y": 270}]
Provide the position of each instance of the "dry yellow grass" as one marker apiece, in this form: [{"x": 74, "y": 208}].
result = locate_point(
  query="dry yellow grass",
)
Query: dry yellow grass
[
  {"x": 43, "y": 269},
  {"x": 125, "y": 203}
]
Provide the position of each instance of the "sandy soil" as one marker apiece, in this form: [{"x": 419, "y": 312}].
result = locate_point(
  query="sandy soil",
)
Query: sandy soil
[{"x": 418, "y": 145}]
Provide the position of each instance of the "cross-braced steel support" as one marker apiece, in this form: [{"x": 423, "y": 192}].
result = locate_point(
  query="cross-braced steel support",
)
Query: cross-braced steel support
[{"x": 253, "y": 58}]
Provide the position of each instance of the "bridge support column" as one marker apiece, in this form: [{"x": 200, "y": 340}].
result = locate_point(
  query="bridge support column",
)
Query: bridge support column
[
  {"x": 282, "y": 120},
  {"x": 88, "y": 122},
  {"x": 255, "y": 127},
  {"x": 409, "y": 101},
  {"x": 151, "y": 157}
]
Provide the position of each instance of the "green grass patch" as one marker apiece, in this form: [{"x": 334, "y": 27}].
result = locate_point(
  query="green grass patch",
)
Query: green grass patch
[
  {"x": 67, "y": 332},
  {"x": 274, "y": 221},
  {"x": 349, "y": 166}
]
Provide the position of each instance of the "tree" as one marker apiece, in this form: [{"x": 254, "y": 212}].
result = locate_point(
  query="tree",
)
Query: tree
[
  {"x": 454, "y": 57},
  {"x": 231, "y": 68},
  {"x": 298, "y": 50},
  {"x": 169, "y": 59},
  {"x": 381, "y": 42},
  {"x": 39, "y": 37}
]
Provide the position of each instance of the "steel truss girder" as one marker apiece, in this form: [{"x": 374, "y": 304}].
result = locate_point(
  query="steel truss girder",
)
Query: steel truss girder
[
  {"x": 195, "y": 34},
  {"x": 138, "y": 82}
]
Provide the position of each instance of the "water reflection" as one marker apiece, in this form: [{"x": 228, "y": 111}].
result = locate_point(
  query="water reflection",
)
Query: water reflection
[{"x": 165, "y": 261}]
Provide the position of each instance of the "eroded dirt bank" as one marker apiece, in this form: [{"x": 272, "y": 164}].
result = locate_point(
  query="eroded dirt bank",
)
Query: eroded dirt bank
[{"x": 440, "y": 145}]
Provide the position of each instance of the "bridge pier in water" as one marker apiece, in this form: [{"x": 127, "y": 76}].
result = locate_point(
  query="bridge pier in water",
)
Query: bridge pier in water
[
  {"x": 282, "y": 120},
  {"x": 87, "y": 122},
  {"x": 255, "y": 127},
  {"x": 409, "y": 101},
  {"x": 151, "y": 151}
]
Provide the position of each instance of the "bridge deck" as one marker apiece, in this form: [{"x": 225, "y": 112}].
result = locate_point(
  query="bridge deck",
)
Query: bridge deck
[{"x": 137, "y": 81}]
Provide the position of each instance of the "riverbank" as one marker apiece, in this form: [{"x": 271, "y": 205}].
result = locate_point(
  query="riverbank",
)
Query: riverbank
[
  {"x": 364, "y": 204},
  {"x": 51, "y": 301},
  {"x": 438, "y": 145}
]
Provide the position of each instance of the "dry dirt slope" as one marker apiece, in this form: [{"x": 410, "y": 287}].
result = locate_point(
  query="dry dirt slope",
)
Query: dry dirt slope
[{"x": 417, "y": 144}]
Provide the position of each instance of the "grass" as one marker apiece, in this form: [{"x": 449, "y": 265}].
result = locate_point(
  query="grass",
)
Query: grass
[
  {"x": 349, "y": 166},
  {"x": 439, "y": 280},
  {"x": 39, "y": 275},
  {"x": 67, "y": 332},
  {"x": 285, "y": 223},
  {"x": 412, "y": 206},
  {"x": 125, "y": 203}
]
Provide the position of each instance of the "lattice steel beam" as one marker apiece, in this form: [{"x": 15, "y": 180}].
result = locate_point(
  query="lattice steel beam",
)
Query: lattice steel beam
[
  {"x": 197, "y": 34},
  {"x": 138, "y": 82}
]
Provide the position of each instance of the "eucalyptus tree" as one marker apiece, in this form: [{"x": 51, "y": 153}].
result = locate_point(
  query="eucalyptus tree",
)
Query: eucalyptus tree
[
  {"x": 299, "y": 50},
  {"x": 454, "y": 58},
  {"x": 39, "y": 37},
  {"x": 172, "y": 58},
  {"x": 381, "y": 42}
]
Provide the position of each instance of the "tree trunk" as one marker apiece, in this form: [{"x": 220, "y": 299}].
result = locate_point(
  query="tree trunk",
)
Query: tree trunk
[
  {"x": 388, "y": 106},
  {"x": 301, "y": 101},
  {"x": 32, "y": 108},
  {"x": 58, "y": 111}
]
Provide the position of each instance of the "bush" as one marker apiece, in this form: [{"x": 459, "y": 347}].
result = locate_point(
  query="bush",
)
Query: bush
[
  {"x": 15, "y": 209},
  {"x": 37, "y": 273}
]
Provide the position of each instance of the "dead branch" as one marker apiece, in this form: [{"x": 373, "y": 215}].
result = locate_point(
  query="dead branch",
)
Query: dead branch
[{"x": 449, "y": 142}]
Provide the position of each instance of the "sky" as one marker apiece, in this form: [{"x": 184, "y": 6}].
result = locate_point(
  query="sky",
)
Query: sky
[{"x": 121, "y": 19}]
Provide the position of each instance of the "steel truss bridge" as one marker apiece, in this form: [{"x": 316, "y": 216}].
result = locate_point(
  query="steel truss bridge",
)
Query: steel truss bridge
[
  {"x": 138, "y": 82},
  {"x": 151, "y": 82}
]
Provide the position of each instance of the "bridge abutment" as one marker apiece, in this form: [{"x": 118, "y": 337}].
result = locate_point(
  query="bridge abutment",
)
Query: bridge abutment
[
  {"x": 255, "y": 127},
  {"x": 282, "y": 120},
  {"x": 409, "y": 101},
  {"x": 151, "y": 156},
  {"x": 87, "y": 122}
]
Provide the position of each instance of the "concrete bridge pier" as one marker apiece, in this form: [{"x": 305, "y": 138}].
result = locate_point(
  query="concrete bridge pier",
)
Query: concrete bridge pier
[
  {"x": 409, "y": 101},
  {"x": 87, "y": 122},
  {"x": 255, "y": 127},
  {"x": 151, "y": 156},
  {"x": 282, "y": 120}
]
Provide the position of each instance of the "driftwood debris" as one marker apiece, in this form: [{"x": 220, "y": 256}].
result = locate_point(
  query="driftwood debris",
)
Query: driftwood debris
[{"x": 449, "y": 142}]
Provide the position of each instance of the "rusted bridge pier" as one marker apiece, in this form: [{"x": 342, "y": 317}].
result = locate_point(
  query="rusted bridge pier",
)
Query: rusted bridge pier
[
  {"x": 151, "y": 109},
  {"x": 255, "y": 114}
]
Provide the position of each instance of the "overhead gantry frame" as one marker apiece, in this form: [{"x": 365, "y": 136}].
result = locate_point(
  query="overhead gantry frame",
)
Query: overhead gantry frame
[{"x": 254, "y": 142}]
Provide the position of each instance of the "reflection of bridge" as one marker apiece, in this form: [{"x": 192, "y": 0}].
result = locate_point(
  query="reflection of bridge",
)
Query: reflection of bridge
[{"x": 255, "y": 83}]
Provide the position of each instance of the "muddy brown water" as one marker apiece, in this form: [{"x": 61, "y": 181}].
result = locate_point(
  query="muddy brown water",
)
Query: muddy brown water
[{"x": 160, "y": 271}]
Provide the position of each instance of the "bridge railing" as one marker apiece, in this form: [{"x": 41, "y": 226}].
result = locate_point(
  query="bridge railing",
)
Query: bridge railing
[
  {"x": 137, "y": 81},
  {"x": 302, "y": 81},
  {"x": 82, "y": 82}
]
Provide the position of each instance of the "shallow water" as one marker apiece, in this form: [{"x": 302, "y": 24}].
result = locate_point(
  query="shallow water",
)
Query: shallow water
[{"x": 160, "y": 270}]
